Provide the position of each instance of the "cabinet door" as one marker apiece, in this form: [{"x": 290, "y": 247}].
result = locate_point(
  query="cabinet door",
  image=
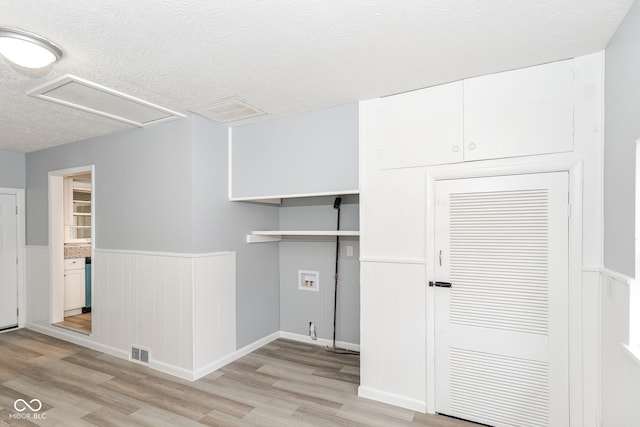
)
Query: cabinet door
[
  {"x": 519, "y": 113},
  {"x": 74, "y": 289},
  {"x": 423, "y": 127}
]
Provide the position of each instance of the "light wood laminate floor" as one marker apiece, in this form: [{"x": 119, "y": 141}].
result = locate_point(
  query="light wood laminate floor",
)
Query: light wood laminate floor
[
  {"x": 284, "y": 383},
  {"x": 79, "y": 323}
]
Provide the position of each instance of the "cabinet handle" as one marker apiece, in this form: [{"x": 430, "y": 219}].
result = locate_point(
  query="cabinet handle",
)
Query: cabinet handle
[
  {"x": 455, "y": 148},
  {"x": 472, "y": 146}
]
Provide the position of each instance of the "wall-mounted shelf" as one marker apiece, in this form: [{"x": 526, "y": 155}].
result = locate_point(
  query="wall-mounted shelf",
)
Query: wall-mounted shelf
[
  {"x": 277, "y": 199},
  {"x": 277, "y": 235}
]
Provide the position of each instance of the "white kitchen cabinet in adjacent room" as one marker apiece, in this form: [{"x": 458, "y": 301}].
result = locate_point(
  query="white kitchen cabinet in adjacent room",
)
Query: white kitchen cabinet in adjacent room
[
  {"x": 74, "y": 283},
  {"x": 77, "y": 211}
]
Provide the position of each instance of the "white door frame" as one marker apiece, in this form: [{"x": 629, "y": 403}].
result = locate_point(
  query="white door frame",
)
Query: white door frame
[
  {"x": 56, "y": 237},
  {"x": 22, "y": 292},
  {"x": 518, "y": 167}
]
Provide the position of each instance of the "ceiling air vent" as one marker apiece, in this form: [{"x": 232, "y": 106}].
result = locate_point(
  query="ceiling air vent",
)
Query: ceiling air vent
[
  {"x": 74, "y": 92},
  {"x": 228, "y": 110}
]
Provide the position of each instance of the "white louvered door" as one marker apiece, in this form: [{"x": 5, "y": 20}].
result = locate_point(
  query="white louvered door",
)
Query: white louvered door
[{"x": 502, "y": 326}]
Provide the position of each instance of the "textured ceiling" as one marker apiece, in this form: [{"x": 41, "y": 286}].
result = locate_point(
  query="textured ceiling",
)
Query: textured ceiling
[{"x": 285, "y": 57}]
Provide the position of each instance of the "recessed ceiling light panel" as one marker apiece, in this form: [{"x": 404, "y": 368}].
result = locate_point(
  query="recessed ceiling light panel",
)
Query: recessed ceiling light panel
[
  {"x": 93, "y": 98},
  {"x": 27, "y": 49},
  {"x": 228, "y": 110}
]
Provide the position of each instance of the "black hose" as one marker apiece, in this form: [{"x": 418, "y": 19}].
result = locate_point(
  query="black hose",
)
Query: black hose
[{"x": 335, "y": 276}]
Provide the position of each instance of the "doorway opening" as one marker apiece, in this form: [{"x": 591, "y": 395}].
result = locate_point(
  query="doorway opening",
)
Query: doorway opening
[{"x": 71, "y": 237}]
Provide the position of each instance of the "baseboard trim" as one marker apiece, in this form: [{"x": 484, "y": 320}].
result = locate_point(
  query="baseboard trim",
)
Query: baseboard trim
[
  {"x": 176, "y": 371},
  {"x": 393, "y": 260},
  {"x": 225, "y": 360},
  {"x": 84, "y": 341},
  {"x": 393, "y": 399},
  {"x": 78, "y": 339},
  {"x": 320, "y": 341}
]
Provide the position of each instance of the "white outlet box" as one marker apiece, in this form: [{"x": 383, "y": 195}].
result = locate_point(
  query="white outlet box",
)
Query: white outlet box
[
  {"x": 308, "y": 280},
  {"x": 349, "y": 250}
]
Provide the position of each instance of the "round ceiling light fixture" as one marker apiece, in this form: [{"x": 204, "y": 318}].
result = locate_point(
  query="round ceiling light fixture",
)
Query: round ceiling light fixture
[{"x": 26, "y": 49}]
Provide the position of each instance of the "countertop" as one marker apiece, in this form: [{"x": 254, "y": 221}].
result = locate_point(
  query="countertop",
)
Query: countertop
[{"x": 77, "y": 251}]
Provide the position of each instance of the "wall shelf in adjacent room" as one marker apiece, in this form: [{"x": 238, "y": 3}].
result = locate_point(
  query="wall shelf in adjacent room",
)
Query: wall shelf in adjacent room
[{"x": 277, "y": 235}]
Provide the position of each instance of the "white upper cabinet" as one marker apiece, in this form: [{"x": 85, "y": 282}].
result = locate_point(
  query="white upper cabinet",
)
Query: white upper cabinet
[
  {"x": 515, "y": 113},
  {"x": 421, "y": 127},
  {"x": 518, "y": 113}
]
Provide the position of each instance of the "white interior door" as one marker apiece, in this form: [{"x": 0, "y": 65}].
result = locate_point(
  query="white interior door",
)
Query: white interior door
[
  {"x": 8, "y": 261},
  {"x": 502, "y": 327}
]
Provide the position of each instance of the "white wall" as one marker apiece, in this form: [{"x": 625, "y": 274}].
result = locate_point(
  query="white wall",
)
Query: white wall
[
  {"x": 395, "y": 257},
  {"x": 393, "y": 334},
  {"x": 163, "y": 191},
  {"x": 314, "y": 152},
  {"x": 299, "y": 307},
  {"x": 12, "y": 169},
  {"x": 214, "y": 310},
  {"x": 622, "y": 103},
  {"x": 37, "y": 280},
  {"x": 144, "y": 300},
  {"x": 620, "y": 371},
  {"x": 221, "y": 225},
  {"x": 142, "y": 185}
]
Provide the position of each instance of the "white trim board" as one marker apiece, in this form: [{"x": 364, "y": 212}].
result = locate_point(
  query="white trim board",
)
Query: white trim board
[
  {"x": 387, "y": 260},
  {"x": 619, "y": 277},
  {"x": 176, "y": 371},
  {"x": 214, "y": 366},
  {"x": 262, "y": 236},
  {"x": 85, "y": 341},
  {"x": 22, "y": 287},
  {"x": 270, "y": 198},
  {"x": 55, "y": 221},
  {"x": 229, "y": 162},
  {"x": 320, "y": 341},
  {"x": 76, "y": 338},
  {"x": 164, "y": 254},
  {"x": 392, "y": 399}
]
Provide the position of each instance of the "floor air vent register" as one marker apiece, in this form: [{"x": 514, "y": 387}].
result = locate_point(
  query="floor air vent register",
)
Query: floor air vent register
[{"x": 140, "y": 354}]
